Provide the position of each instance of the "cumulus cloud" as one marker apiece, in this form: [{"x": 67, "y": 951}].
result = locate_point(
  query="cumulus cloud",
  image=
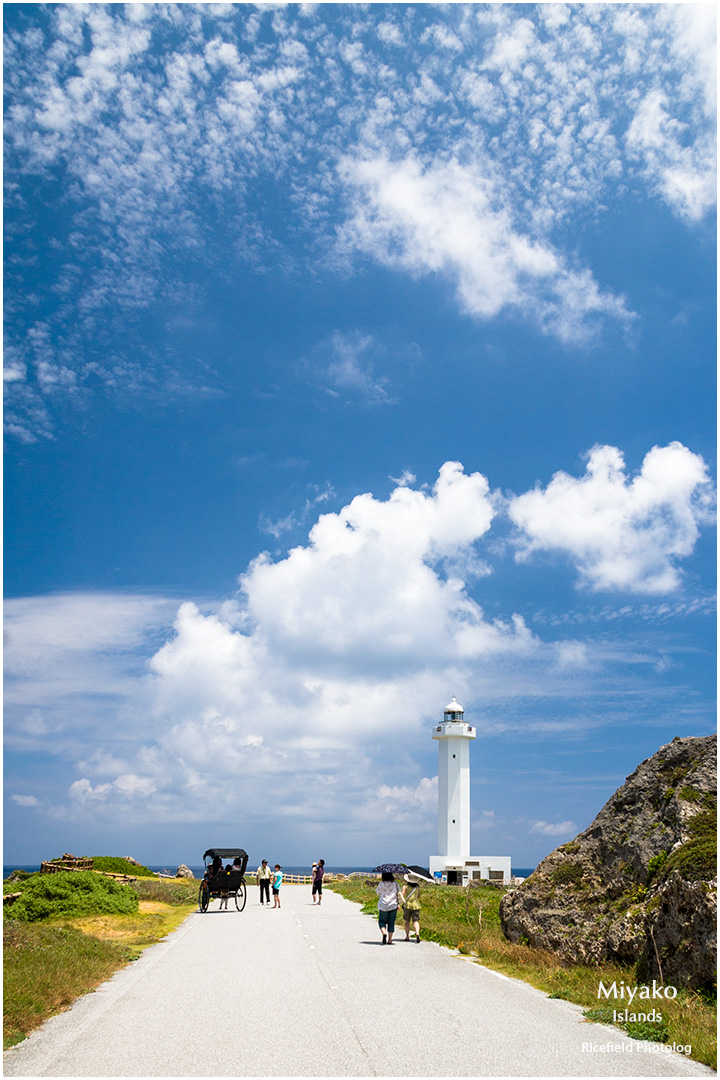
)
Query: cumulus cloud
[
  {"x": 422, "y": 798},
  {"x": 621, "y": 533},
  {"x": 291, "y": 682},
  {"x": 184, "y": 714}
]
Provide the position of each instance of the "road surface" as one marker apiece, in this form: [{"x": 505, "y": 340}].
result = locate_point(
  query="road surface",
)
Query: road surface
[{"x": 309, "y": 991}]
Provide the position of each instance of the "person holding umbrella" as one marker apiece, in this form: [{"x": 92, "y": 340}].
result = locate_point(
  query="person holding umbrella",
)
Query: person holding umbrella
[{"x": 388, "y": 900}]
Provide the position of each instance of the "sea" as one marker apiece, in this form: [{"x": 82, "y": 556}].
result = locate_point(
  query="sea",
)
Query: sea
[{"x": 199, "y": 870}]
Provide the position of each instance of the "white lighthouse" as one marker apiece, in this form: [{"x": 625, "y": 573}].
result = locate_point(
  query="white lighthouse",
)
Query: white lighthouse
[{"x": 454, "y": 862}]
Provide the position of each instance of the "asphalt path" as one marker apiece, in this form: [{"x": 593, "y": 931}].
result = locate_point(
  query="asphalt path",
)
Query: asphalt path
[{"x": 310, "y": 991}]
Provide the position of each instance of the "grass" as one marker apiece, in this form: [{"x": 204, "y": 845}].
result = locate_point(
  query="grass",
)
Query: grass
[
  {"x": 469, "y": 921},
  {"x": 46, "y": 968},
  {"x": 49, "y": 963},
  {"x": 110, "y": 864}
]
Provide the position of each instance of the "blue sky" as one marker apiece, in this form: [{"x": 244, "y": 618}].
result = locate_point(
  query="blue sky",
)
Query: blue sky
[{"x": 356, "y": 357}]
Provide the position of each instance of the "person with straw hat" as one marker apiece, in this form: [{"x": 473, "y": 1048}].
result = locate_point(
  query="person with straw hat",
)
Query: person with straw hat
[{"x": 411, "y": 905}]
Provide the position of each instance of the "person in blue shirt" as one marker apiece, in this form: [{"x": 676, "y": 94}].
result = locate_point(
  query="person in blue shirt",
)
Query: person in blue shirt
[{"x": 276, "y": 883}]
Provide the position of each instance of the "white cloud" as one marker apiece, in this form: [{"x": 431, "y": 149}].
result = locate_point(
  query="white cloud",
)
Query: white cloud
[
  {"x": 290, "y": 686},
  {"x": 521, "y": 122},
  {"x": 621, "y": 533},
  {"x": 389, "y": 33},
  {"x": 26, "y": 800},
  {"x": 71, "y": 657},
  {"x": 561, "y": 828},
  {"x": 450, "y": 219},
  {"x": 345, "y": 364},
  {"x": 423, "y": 797}
]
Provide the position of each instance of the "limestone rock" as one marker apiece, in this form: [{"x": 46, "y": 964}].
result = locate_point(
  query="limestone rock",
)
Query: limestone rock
[
  {"x": 681, "y": 941},
  {"x": 638, "y": 885},
  {"x": 184, "y": 871}
]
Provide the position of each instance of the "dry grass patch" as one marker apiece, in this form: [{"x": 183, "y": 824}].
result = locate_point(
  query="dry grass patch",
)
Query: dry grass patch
[{"x": 154, "y": 921}]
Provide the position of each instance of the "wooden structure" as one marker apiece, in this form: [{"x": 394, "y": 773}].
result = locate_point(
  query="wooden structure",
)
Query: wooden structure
[{"x": 68, "y": 862}]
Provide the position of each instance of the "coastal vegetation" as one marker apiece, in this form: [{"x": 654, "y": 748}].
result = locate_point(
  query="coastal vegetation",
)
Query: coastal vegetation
[
  {"x": 68, "y": 932},
  {"x": 469, "y": 920},
  {"x": 52, "y": 896},
  {"x": 109, "y": 864}
]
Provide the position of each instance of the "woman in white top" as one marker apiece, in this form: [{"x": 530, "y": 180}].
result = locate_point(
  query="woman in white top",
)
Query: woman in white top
[{"x": 388, "y": 899}]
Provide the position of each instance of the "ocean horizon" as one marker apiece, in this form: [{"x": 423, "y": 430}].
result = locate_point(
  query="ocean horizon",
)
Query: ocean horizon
[{"x": 199, "y": 870}]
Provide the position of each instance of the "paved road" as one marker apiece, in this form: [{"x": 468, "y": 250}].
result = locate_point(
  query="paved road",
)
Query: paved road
[{"x": 309, "y": 991}]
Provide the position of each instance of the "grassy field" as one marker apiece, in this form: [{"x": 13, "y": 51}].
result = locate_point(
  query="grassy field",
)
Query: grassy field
[
  {"x": 469, "y": 921},
  {"x": 51, "y": 962}
]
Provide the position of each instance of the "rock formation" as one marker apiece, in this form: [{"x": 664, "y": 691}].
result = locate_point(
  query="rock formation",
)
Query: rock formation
[
  {"x": 639, "y": 886},
  {"x": 184, "y": 871}
]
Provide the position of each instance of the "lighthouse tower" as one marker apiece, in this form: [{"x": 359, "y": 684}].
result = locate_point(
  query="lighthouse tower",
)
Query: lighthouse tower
[
  {"x": 453, "y": 737},
  {"x": 454, "y": 863}
]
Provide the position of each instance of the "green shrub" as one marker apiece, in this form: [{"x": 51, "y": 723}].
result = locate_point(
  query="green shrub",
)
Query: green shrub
[
  {"x": 696, "y": 860},
  {"x": 111, "y": 865},
  {"x": 70, "y": 893},
  {"x": 567, "y": 873},
  {"x": 656, "y": 863},
  {"x": 703, "y": 825},
  {"x": 648, "y": 1030}
]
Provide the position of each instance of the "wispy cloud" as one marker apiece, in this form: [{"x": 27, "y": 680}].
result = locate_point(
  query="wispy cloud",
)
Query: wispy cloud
[
  {"x": 453, "y": 141},
  {"x": 560, "y": 828},
  {"x": 345, "y": 365},
  {"x": 453, "y": 220}
]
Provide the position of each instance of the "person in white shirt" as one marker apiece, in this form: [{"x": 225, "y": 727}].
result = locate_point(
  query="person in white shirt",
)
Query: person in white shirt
[
  {"x": 264, "y": 873},
  {"x": 388, "y": 899}
]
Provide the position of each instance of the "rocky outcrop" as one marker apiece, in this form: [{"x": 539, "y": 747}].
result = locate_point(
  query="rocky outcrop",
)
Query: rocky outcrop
[
  {"x": 184, "y": 871},
  {"x": 639, "y": 886}
]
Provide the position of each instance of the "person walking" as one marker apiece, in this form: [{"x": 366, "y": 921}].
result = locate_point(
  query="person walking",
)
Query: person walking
[
  {"x": 388, "y": 897},
  {"x": 276, "y": 883},
  {"x": 264, "y": 873},
  {"x": 317, "y": 881},
  {"x": 410, "y": 901}
]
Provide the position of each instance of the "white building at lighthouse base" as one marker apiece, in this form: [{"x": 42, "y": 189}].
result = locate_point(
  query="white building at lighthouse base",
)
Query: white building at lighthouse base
[
  {"x": 454, "y": 863},
  {"x": 473, "y": 868}
]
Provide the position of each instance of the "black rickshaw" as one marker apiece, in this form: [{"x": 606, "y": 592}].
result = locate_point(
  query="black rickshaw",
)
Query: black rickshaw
[{"x": 221, "y": 882}]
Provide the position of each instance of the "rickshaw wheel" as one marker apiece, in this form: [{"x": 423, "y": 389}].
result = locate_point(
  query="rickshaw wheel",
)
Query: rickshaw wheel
[
  {"x": 204, "y": 897},
  {"x": 241, "y": 897}
]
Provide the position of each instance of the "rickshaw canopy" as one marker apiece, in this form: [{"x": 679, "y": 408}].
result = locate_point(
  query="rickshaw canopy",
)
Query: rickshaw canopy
[{"x": 225, "y": 853}]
